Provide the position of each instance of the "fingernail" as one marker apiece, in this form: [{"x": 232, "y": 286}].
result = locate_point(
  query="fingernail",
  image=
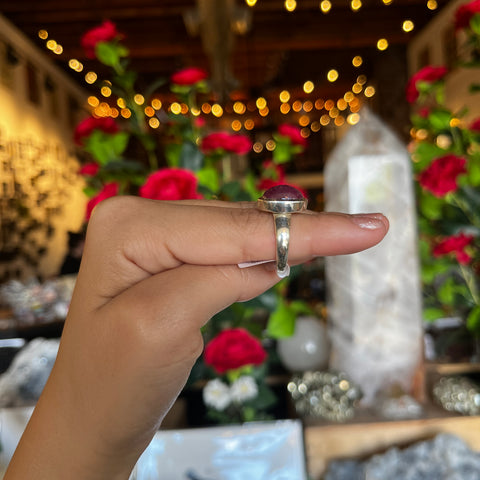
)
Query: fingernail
[{"x": 370, "y": 221}]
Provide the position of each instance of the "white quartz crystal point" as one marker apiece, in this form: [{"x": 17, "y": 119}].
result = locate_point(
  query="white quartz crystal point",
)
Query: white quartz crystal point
[{"x": 374, "y": 297}]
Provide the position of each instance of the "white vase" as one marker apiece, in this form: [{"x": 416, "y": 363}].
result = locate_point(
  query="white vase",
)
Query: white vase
[{"x": 307, "y": 349}]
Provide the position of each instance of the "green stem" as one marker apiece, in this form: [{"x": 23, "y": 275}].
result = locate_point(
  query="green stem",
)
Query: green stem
[
  {"x": 470, "y": 282},
  {"x": 462, "y": 205}
]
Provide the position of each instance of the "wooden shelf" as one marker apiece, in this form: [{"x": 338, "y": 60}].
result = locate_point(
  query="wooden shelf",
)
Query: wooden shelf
[
  {"x": 357, "y": 440},
  {"x": 452, "y": 368}
]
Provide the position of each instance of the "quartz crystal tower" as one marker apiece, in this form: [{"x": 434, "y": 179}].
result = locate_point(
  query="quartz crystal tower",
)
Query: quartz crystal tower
[{"x": 374, "y": 297}]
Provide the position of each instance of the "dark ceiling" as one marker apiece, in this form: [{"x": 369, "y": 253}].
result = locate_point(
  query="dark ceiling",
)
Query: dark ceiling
[{"x": 280, "y": 50}]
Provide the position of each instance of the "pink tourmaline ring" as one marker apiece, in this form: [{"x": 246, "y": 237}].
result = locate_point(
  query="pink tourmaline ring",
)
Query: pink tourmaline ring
[{"x": 282, "y": 201}]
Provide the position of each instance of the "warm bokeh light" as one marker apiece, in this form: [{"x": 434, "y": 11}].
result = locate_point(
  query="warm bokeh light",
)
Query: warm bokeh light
[
  {"x": 260, "y": 103},
  {"x": 239, "y": 108},
  {"x": 369, "y": 91},
  {"x": 319, "y": 103},
  {"x": 51, "y": 44},
  {"x": 183, "y": 108},
  {"x": 93, "y": 101},
  {"x": 333, "y": 112},
  {"x": 342, "y": 104},
  {"x": 270, "y": 145},
  {"x": 121, "y": 102},
  {"x": 324, "y": 120},
  {"x": 149, "y": 111},
  {"x": 106, "y": 91},
  {"x": 357, "y": 61},
  {"x": 175, "y": 108},
  {"x": 387, "y": 2},
  {"x": 154, "y": 122},
  {"x": 432, "y": 4},
  {"x": 329, "y": 104},
  {"x": 305, "y": 132},
  {"x": 304, "y": 120},
  {"x": 339, "y": 121},
  {"x": 249, "y": 124},
  {"x": 362, "y": 79},
  {"x": 421, "y": 134},
  {"x": 332, "y": 75},
  {"x": 251, "y": 3},
  {"x": 307, "y": 106},
  {"x": 58, "y": 49},
  {"x": 308, "y": 86},
  {"x": 357, "y": 88},
  {"x": 125, "y": 113},
  {"x": 156, "y": 103},
  {"x": 284, "y": 96},
  {"x": 443, "y": 141},
  {"x": 264, "y": 112},
  {"x": 206, "y": 108},
  {"x": 91, "y": 77},
  {"x": 236, "y": 125},
  {"x": 325, "y": 6},
  {"x": 455, "y": 122},
  {"x": 349, "y": 96},
  {"x": 257, "y": 147},
  {"x": 217, "y": 110},
  {"x": 114, "y": 112},
  {"x": 139, "y": 99},
  {"x": 355, "y": 5},
  {"x": 353, "y": 118},
  {"x": 290, "y": 5},
  {"x": 382, "y": 44},
  {"x": 195, "y": 111},
  {"x": 297, "y": 106},
  {"x": 408, "y": 26},
  {"x": 43, "y": 34},
  {"x": 315, "y": 126},
  {"x": 285, "y": 108},
  {"x": 73, "y": 63}
]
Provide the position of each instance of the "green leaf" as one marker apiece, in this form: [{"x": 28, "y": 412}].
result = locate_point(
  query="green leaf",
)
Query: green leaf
[
  {"x": 105, "y": 147},
  {"x": 475, "y": 23},
  {"x": 424, "y": 153},
  {"x": 282, "y": 152},
  {"x": 431, "y": 314},
  {"x": 264, "y": 400},
  {"x": 172, "y": 154},
  {"x": 473, "y": 319},
  {"x": 191, "y": 157},
  {"x": 440, "y": 119},
  {"x": 300, "y": 308},
  {"x": 281, "y": 322},
  {"x": 109, "y": 53},
  {"x": 208, "y": 177},
  {"x": 431, "y": 206},
  {"x": 446, "y": 292}
]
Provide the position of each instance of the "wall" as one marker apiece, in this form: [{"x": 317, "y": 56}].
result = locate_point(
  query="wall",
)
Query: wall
[{"x": 41, "y": 196}]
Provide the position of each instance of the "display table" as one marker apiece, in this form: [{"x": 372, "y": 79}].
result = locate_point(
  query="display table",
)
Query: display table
[{"x": 363, "y": 438}]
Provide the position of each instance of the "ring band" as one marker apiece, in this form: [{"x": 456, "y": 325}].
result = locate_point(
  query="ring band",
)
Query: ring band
[{"x": 282, "y": 201}]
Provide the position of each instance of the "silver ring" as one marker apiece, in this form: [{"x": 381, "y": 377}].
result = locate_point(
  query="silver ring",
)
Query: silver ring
[{"x": 282, "y": 201}]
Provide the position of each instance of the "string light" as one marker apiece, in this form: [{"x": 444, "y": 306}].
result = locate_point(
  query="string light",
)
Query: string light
[
  {"x": 251, "y": 3},
  {"x": 217, "y": 110},
  {"x": 139, "y": 99},
  {"x": 408, "y": 26},
  {"x": 290, "y": 5},
  {"x": 257, "y": 147},
  {"x": 357, "y": 61},
  {"x": 382, "y": 44},
  {"x": 308, "y": 86},
  {"x": 91, "y": 77},
  {"x": 332, "y": 75},
  {"x": 284, "y": 96},
  {"x": 239, "y": 108},
  {"x": 175, "y": 108},
  {"x": 432, "y": 4},
  {"x": 154, "y": 122},
  {"x": 121, "y": 102},
  {"x": 325, "y": 6},
  {"x": 285, "y": 108},
  {"x": 156, "y": 104},
  {"x": 369, "y": 91},
  {"x": 43, "y": 34},
  {"x": 355, "y": 5},
  {"x": 261, "y": 103}
]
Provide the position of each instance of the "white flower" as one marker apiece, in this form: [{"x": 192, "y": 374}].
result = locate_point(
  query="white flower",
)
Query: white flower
[
  {"x": 243, "y": 389},
  {"x": 216, "y": 394}
]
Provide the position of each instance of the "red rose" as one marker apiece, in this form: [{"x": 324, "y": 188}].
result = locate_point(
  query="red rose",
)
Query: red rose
[
  {"x": 455, "y": 244},
  {"x": 86, "y": 127},
  {"x": 103, "y": 33},
  {"x": 428, "y": 74},
  {"x": 475, "y": 125},
  {"x": 237, "y": 143},
  {"x": 293, "y": 133},
  {"x": 89, "y": 169},
  {"x": 440, "y": 177},
  {"x": 464, "y": 14},
  {"x": 189, "y": 76},
  {"x": 424, "y": 112},
  {"x": 232, "y": 349},
  {"x": 233, "y": 143},
  {"x": 170, "y": 184},
  {"x": 109, "y": 190}
]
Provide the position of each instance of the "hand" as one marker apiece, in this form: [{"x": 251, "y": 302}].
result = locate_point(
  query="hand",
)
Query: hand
[{"x": 152, "y": 274}]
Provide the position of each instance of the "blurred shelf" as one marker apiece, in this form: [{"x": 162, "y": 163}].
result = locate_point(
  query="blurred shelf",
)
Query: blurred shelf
[
  {"x": 452, "y": 368},
  {"x": 358, "y": 439}
]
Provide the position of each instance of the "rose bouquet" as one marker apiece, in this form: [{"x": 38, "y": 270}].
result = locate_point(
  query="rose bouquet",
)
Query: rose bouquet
[
  {"x": 446, "y": 156},
  {"x": 238, "y": 392}
]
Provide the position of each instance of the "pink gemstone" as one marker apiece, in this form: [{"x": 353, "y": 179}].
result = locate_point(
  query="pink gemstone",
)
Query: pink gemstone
[{"x": 283, "y": 192}]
